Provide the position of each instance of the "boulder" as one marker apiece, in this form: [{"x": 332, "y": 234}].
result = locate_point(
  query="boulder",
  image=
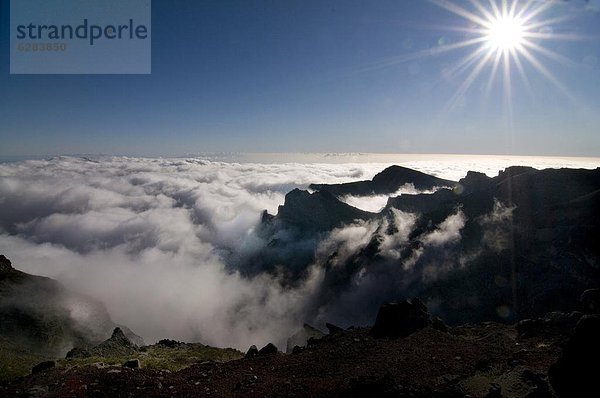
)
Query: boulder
[
  {"x": 169, "y": 343},
  {"x": 439, "y": 325},
  {"x": 576, "y": 372},
  {"x": 333, "y": 329},
  {"x": 528, "y": 327},
  {"x": 590, "y": 300},
  {"x": 79, "y": 352},
  {"x": 268, "y": 349},
  {"x": 558, "y": 318},
  {"x": 301, "y": 337},
  {"x": 132, "y": 363},
  {"x": 494, "y": 391},
  {"x": 252, "y": 352},
  {"x": 553, "y": 324},
  {"x": 42, "y": 366},
  {"x": 399, "y": 319}
]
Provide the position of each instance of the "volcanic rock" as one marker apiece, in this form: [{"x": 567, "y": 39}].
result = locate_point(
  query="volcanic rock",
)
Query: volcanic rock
[
  {"x": 438, "y": 324},
  {"x": 40, "y": 367},
  {"x": 132, "y": 363},
  {"x": 301, "y": 337},
  {"x": 523, "y": 382},
  {"x": 252, "y": 352},
  {"x": 576, "y": 372},
  {"x": 268, "y": 349},
  {"x": 473, "y": 181},
  {"x": 298, "y": 350},
  {"x": 388, "y": 181},
  {"x": 552, "y": 325},
  {"x": 333, "y": 329},
  {"x": 5, "y": 264},
  {"x": 117, "y": 345},
  {"x": 421, "y": 203},
  {"x": 319, "y": 211},
  {"x": 590, "y": 299},
  {"x": 169, "y": 343},
  {"x": 399, "y": 319}
]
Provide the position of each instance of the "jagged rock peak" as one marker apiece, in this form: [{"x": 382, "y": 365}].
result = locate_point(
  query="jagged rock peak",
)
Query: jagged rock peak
[
  {"x": 513, "y": 171},
  {"x": 5, "y": 264},
  {"x": 318, "y": 211},
  {"x": 473, "y": 181},
  {"x": 118, "y": 338},
  {"x": 475, "y": 178},
  {"x": 118, "y": 344},
  {"x": 118, "y": 334}
]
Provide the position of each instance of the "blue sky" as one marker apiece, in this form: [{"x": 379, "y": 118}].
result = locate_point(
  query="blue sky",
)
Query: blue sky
[{"x": 306, "y": 76}]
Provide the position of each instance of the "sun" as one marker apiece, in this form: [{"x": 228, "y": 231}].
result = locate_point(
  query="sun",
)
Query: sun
[
  {"x": 505, "y": 33},
  {"x": 507, "y": 41},
  {"x": 507, "y": 37}
]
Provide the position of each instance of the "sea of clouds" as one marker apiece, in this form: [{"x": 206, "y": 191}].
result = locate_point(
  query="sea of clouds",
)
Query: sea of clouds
[{"x": 146, "y": 237}]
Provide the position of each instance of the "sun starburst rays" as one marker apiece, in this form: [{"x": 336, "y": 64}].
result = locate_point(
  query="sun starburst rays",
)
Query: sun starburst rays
[{"x": 508, "y": 35}]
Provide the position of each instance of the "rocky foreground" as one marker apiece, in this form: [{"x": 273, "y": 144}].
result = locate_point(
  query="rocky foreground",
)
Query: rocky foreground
[{"x": 407, "y": 353}]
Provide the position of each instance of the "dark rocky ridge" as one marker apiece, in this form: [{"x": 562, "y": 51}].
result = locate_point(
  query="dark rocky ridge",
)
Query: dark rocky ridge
[
  {"x": 548, "y": 236},
  {"x": 527, "y": 247},
  {"x": 319, "y": 211},
  {"x": 421, "y": 203},
  {"x": 386, "y": 182}
]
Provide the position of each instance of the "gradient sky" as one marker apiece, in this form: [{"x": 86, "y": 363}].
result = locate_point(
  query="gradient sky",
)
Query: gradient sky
[{"x": 305, "y": 76}]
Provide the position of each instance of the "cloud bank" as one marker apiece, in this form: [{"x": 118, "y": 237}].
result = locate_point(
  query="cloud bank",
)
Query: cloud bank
[
  {"x": 144, "y": 236},
  {"x": 158, "y": 242}
]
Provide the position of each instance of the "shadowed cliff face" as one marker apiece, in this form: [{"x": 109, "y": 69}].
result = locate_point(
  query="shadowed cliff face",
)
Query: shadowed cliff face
[
  {"x": 318, "y": 212},
  {"x": 45, "y": 318}
]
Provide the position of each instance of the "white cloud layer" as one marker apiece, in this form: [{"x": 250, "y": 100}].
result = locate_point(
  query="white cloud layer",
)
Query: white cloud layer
[
  {"x": 143, "y": 236},
  {"x": 146, "y": 237}
]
